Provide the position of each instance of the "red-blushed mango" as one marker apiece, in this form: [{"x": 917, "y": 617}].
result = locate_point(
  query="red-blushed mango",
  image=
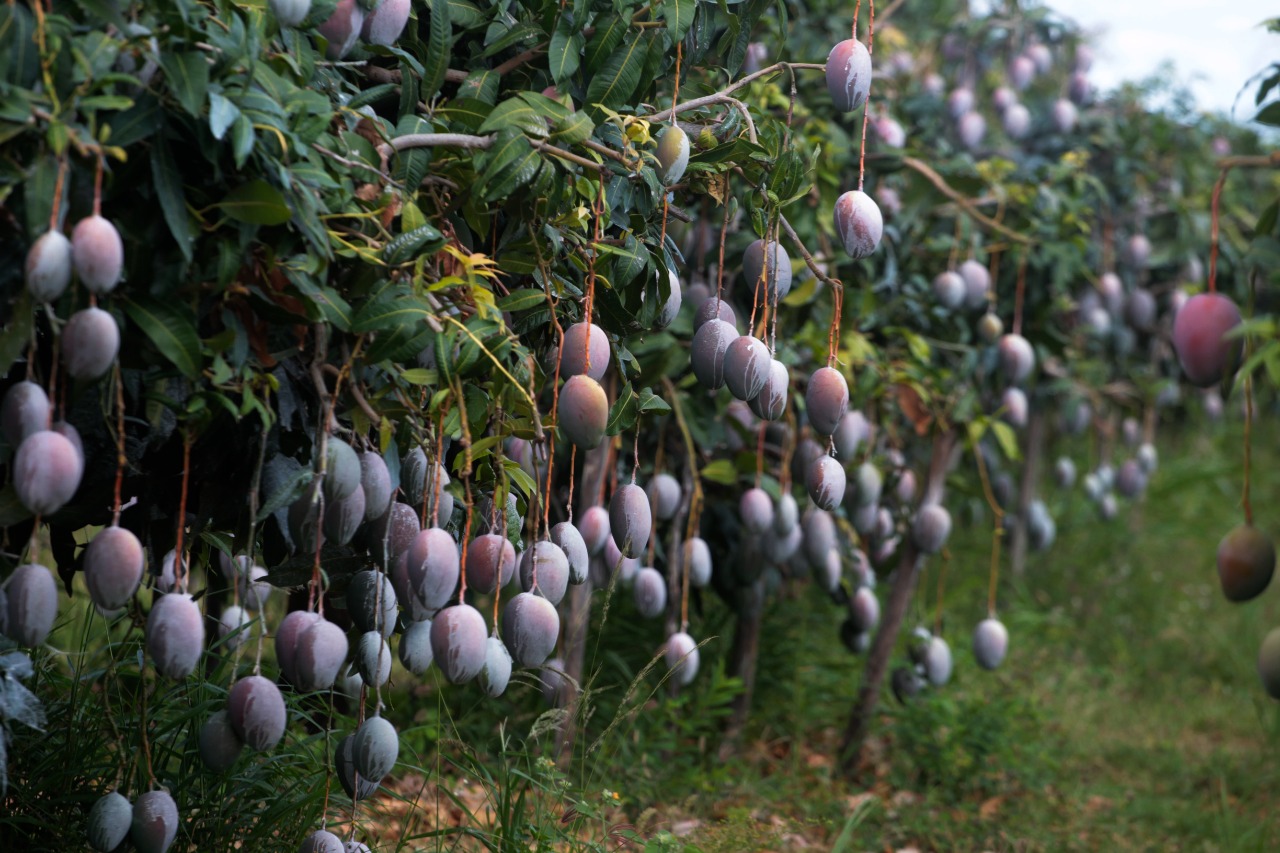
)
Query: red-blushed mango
[
  {"x": 1014, "y": 407},
  {"x": 1022, "y": 70},
  {"x": 113, "y": 567},
  {"x": 25, "y": 411},
  {"x": 175, "y": 635},
  {"x": 253, "y": 587},
  {"x": 415, "y": 647},
  {"x": 343, "y": 517},
  {"x": 496, "y": 673},
  {"x": 971, "y": 128},
  {"x": 321, "y": 841},
  {"x": 291, "y": 628},
  {"x": 384, "y": 24},
  {"x": 433, "y": 569},
  {"x": 371, "y": 602},
  {"x": 630, "y": 520},
  {"x": 290, "y": 13},
  {"x": 851, "y": 433},
  {"x": 583, "y": 412},
  {"x": 344, "y": 767},
  {"x": 392, "y": 533},
  {"x": 568, "y": 538},
  {"x": 786, "y": 514},
  {"x": 671, "y": 308},
  {"x": 530, "y": 627},
  {"x": 931, "y": 528},
  {"x": 715, "y": 309},
  {"x": 375, "y": 482},
  {"x": 32, "y": 604},
  {"x": 491, "y": 559},
  {"x": 859, "y": 223},
  {"x": 826, "y": 400},
  {"x": 233, "y": 626},
  {"x": 771, "y": 402},
  {"x": 342, "y": 469},
  {"x": 342, "y": 29},
  {"x": 1017, "y": 358},
  {"x": 664, "y": 496},
  {"x": 828, "y": 573},
  {"x": 767, "y": 270},
  {"x": 819, "y": 530},
  {"x": 1017, "y": 121},
  {"x": 990, "y": 643},
  {"x": 97, "y": 253},
  {"x": 746, "y": 367},
  {"x": 413, "y": 475},
  {"x": 1064, "y": 115},
  {"x": 650, "y": 592},
  {"x": 938, "y": 663},
  {"x": 1137, "y": 252},
  {"x": 710, "y": 346},
  {"x": 1199, "y": 336},
  {"x": 990, "y": 328},
  {"x": 960, "y": 102},
  {"x": 155, "y": 822},
  {"x": 578, "y": 339},
  {"x": 1246, "y": 562},
  {"x": 948, "y": 289},
  {"x": 1131, "y": 480},
  {"x": 256, "y": 711},
  {"x": 681, "y": 655},
  {"x": 90, "y": 343},
  {"x": 672, "y": 154},
  {"x": 864, "y": 609},
  {"x": 544, "y": 570},
  {"x": 458, "y": 635},
  {"x": 1269, "y": 663},
  {"x": 373, "y": 659},
  {"x": 977, "y": 284},
  {"x": 826, "y": 482},
  {"x": 755, "y": 508},
  {"x": 697, "y": 561},
  {"x": 849, "y": 75},
  {"x": 46, "y": 472},
  {"x": 1003, "y": 98},
  {"x": 109, "y": 822},
  {"x": 48, "y": 266},
  {"x": 594, "y": 527},
  {"x": 321, "y": 651}
]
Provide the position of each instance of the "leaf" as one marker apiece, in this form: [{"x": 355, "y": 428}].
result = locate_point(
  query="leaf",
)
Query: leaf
[
  {"x": 573, "y": 128},
  {"x": 565, "y": 51},
  {"x": 437, "y": 49},
  {"x": 188, "y": 76},
  {"x": 617, "y": 79},
  {"x": 222, "y": 112},
  {"x": 1270, "y": 114},
  {"x": 173, "y": 200},
  {"x": 623, "y": 414},
  {"x": 679, "y": 17},
  {"x": 1007, "y": 439},
  {"x": 721, "y": 471},
  {"x": 515, "y": 113},
  {"x": 509, "y": 164},
  {"x": 288, "y": 492},
  {"x": 522, "y": 299},
  {"x": 608, "y": 35},
  {"x": 257, "y": 203},
  {"x": 423, "y": 240},
  {"x": 16, "y": 334},
  {"x": 170, "y": 329}
]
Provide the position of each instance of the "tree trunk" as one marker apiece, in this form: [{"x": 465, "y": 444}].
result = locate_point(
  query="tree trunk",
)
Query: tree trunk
[
  {"x": 742, "y": 663},
  {"x": 904, "y": 582},
  {"x": 1032, "y": 457},
  {"x": 577, "y": 616}
]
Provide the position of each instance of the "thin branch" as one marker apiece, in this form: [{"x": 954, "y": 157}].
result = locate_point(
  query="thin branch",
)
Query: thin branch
[
  {"x": 965, "y": 204},
  {"x": 733, "y": 87}
]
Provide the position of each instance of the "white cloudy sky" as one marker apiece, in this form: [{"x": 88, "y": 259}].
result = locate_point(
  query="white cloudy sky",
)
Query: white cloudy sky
[{"x": 1216, "y": 45}]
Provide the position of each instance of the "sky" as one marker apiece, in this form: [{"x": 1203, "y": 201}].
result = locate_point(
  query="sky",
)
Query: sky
[{"x": 1215, "y": 46}]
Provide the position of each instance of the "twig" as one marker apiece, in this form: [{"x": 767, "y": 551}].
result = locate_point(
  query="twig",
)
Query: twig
[
  {"x": 733, "y": 87},
  {"x": 965, "y": 204}
]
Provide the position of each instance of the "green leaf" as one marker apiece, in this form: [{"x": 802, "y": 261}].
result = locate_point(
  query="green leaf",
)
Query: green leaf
[
  {"x": 437, "y": 49},
  {"x": 222, "y": 112},
  {"x": 16, "y": 334},
  {"x": 515, "y": 113},
  {"x": 617, "y": 79},
  {"x": 721, "y": 471},
  {"x": 1270, "y": 114},
  {"x": 509, "y": 164},
  {"x": 173, "y": 200},
  {"x": 522, "y": 299},
  {"x": 257, "y": 203},
  {"x": 288, "y": 492},
  {"x": 412, "y": 163},
  {"x": 188, "y": 77},
  {"x": 170, "y": 329},
  {"x": 625, "y": 409},
  {"x": 651, "y": 402},
  {"x": 389, "y": 311},
  {"x": 1007, "y": 439},
  {"x": 565, "y": 51},
  {"x": 608, "y": 35},
  {"x": 679, "y": 17},
  {"x": 425, "y": 239},
  {"x": 573, "y": 128}
]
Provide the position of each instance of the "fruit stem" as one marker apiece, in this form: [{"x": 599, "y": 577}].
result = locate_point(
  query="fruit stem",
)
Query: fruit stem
[
  {"x": 1213, "y": 228},
  {"x": 866, "y": 108},
  {"x": 1019, "y": 294},
  {"x": 57, "y": 193},
  {"x": 996, "y": 536},
  {"x": 97, "y": 184},
  {"x": 1248, "y": 422},
  {"x": 942, "y": 576},
  {"x": 121, "y": 458}
]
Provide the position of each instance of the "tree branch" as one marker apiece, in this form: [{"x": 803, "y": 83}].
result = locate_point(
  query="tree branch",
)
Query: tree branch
[
  {"x": 733, "y": 87},
  {"x": 950, "y": 192}
]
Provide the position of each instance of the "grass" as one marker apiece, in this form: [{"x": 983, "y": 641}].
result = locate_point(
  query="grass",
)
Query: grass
[{"x": 1128, "y": 715}]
